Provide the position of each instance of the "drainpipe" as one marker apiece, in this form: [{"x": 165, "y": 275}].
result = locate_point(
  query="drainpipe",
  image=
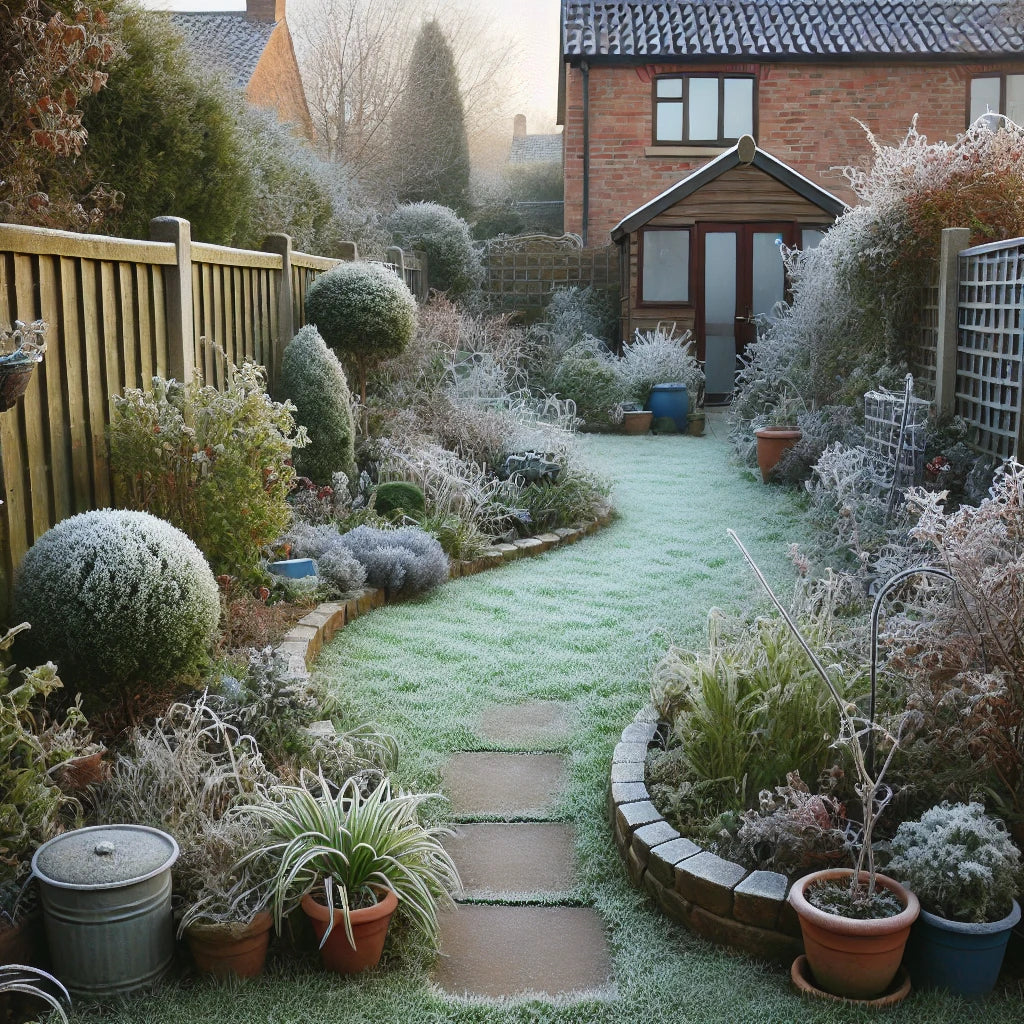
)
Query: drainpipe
[{"x": 585, "y": 68}]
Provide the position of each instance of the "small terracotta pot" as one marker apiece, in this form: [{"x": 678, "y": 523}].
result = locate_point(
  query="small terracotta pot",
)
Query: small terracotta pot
[
  {"x": 853, "y": 959},
  {"x": 772, "y": 443},
  {"x": 225, "y": 949},
  {"x": 638, "y": 422},
  {"x": 695, "y": 422},
  {"x": 369, "y": 929}
]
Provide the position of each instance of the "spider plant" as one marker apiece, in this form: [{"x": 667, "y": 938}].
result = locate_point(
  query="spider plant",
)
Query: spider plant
[
  {"x": 352, "y": 844},
  {"x": 29, "y": 980}
]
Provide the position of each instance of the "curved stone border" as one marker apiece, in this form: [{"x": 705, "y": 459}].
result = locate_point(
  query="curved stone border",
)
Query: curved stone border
[
  {"x": 714, "y": 897},
  {"x": 302, "y": 644}
]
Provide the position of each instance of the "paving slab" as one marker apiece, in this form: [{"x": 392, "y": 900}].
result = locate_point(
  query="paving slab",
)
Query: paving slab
[
  {"x": 532, "y": 723},
  {"x": 514, "y": 785},
  {"x": 524, "y": 857},
  {"x": 509, "y": 951}
]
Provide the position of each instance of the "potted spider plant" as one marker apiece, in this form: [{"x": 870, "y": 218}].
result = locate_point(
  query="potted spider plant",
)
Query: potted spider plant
[
  {"x": 963, "y": 867},
  {"x": 351, "y": 856},
  {"x": 855, "y": 922}
]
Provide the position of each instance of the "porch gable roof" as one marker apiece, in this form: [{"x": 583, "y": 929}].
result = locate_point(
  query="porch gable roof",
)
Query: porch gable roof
[{"x": 717, "y": 167}]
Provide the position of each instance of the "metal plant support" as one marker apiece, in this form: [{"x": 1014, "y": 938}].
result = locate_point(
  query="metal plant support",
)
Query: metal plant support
[{"x": 894, "y": 428}]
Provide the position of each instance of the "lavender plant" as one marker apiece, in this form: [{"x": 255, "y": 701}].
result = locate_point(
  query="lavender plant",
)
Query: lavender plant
[{"x": 406, "y": 561}]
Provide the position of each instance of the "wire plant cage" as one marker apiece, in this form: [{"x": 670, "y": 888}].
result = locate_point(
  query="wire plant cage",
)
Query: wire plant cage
[{"x": 894, "y": 436}]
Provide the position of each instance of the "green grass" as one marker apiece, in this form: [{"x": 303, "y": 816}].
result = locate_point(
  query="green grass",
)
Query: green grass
[{"x": 583, "y": 625}]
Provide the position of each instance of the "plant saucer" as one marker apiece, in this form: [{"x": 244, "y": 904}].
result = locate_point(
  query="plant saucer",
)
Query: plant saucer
[{"x": 803, "y": 979}]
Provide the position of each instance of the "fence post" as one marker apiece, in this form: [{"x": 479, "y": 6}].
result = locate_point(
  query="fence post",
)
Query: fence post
[
  {"x": 282, "y": 246},
  {"x": 348, "y": 251},
  {"x": 181, "y": 344},
  {"x": 953, "y": 240}
]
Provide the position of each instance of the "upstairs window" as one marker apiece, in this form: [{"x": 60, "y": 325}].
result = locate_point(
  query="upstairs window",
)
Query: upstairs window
[
  {"x": 1000, "y": 94},
  {"x": 714, "y": 109}
]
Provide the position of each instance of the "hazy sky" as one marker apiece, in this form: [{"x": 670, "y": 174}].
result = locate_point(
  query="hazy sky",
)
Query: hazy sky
[{"x": 532, "y": 25}]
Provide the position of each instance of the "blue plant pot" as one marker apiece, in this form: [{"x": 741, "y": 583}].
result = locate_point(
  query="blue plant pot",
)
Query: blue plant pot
[
  {"x": 963, "y": 958},
  {"x": 293, "y": 568},
  {"x": 670, "y": 400}
]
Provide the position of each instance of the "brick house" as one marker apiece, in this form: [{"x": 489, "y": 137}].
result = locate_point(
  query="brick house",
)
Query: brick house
[
  {"x": 255, "y": 47},
  {"x": 651, "y": 93}
]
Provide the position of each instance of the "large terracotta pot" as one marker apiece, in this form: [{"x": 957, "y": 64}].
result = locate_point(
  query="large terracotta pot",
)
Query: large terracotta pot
[
  {"x": 772, "y": 442},
  {"x": 856, "y": 959},
  {"x": 226, "y": 949},
  {"x": 637, "y": 422},
  {"x": 369, "y": 929}
]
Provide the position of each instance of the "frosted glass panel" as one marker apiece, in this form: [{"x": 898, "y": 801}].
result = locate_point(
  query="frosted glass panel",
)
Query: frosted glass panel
[
  {"x": 739, "y": 107},
  {"x": 769, "y": 273},
  {"x": 984, "y": 96},
  {"x": 666, "y": 266},
  {"x": 671, "y": 87},
  {"x": 720, "y": 312},
  {"x": 670, "y": 121},
  {"x": 703, "y": 108},
  {"x": 810, "y": 238},
  {"x": 1015, "y": 98}
]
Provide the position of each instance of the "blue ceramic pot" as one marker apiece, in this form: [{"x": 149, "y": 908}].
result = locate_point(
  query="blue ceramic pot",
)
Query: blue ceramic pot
[
  {"x": 670, "y": 400},
  {"x": 963, "y": 958}
]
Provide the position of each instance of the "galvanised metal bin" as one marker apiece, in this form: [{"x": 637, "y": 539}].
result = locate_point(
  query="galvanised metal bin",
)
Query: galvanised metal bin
[{"x": 106, "y": 898}]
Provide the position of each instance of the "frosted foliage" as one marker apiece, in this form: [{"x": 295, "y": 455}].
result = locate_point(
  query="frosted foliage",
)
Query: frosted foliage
[
  {"x": 657, "y": 358},
  {"x": 117, "y": 597},
  {"x": 961, "y": 863},
  {"x": 406, "y": 561},
  {"x": 339, "y": 567},
  {"x": 307, "y": 541}
]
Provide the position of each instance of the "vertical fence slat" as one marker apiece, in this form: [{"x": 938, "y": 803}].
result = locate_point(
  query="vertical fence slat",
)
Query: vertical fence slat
[
  {"x": 54, "y": 371},
  {"x": 96, "y": 393},
  {"x": 73, "y": 363}
]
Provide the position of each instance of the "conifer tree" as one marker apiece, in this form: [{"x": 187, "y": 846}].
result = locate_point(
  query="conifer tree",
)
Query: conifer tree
[{"x": 430, "y": 149}]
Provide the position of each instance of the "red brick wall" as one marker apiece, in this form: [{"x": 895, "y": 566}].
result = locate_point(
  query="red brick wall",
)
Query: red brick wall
[
  {"x": 276, "y": 83},
  {"x": 806, "y": 119}
]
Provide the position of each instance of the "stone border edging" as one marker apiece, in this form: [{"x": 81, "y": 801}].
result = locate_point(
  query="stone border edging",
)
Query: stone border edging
[
  {"x": 302, "y": 644},
  {"x": 714, "y": 897}
]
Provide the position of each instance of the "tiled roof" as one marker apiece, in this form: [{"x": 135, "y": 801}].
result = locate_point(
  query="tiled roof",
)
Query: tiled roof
[
  {"x": 770, "y": 28},
  {"x": 536, "y": 149},
  {"x": 228, "y": 40}
]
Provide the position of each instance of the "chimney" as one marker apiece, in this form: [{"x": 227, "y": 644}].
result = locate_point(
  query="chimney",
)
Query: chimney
[
  {"x": 518, "y": 126},
  {"x": 264, "y": 10}
]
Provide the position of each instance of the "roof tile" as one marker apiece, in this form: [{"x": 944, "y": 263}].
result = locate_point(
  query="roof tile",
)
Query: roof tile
[{"x": 226, "y": 40}]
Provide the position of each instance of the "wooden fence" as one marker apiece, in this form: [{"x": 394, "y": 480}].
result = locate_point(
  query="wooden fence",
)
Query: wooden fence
[{"x": 119, "y": 312}]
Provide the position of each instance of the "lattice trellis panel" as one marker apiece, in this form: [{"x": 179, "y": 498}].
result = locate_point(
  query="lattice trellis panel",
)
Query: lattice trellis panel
[
  {"x": 925, "y": 339},
  {"x": 989, "y": 350}
]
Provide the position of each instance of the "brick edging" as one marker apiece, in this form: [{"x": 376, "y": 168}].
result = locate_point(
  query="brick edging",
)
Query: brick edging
[
  {"x": 302, "y": 644},
  {"x": 714, "y": 897}
]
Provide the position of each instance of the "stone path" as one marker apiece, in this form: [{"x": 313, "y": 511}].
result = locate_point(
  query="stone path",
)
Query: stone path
[{"x": 516, "y": 857}]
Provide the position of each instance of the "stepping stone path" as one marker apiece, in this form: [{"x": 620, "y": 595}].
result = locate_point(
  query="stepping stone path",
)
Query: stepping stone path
[{"x": 517, "y": 855}]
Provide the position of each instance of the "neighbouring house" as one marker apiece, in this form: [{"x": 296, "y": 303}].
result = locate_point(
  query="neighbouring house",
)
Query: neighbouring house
[
  {"x": 255, "y": 47},
  {"x": 655, "y": 98},
  {"x": 535, "y": 174}
]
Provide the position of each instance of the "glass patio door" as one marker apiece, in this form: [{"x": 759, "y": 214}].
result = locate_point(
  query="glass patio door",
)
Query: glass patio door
[{"x": 742, "y": 279}]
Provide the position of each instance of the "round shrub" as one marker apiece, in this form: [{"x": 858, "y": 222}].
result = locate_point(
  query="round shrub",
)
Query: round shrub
[
  {"x": 339, "y": 567},
  {"x": 399, "y": 498},
  {"x": 313, "y": 378},
  {"x": 453, "y": 264},
  {"x": 116, "y": 598},
  {"x": 406, "y": 561},
  {"x": 588, "y": 376},
  {"x": 364, "y": 312}
]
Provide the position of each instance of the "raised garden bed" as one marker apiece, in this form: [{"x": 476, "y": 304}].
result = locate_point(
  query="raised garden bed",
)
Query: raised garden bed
[{"x": 720, "y": 900}]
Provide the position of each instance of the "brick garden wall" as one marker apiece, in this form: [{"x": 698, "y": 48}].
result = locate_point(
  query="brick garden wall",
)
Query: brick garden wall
[{"x": 806, "y": 119}]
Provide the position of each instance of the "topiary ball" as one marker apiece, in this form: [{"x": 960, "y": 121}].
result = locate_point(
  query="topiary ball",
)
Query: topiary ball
[
  {"x": 313, "y": 378},
  {"x": 362, "y": 310},
  {"x": 398, "y": 498},
  {"x": 453, "y": 264},
  {"x": 116, "y": 598}
]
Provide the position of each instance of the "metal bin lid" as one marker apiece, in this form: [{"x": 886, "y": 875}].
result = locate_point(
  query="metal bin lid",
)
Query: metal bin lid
[{"x": 104, "y": 857}]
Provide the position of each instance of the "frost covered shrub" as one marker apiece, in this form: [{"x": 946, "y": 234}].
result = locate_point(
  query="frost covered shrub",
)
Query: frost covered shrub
[
  {"x": 958, "y": 861},
  {"x": 308, "y": 541},
  {"x": 575, "y": 313},
  {"x": 587, "y": 374},
  {"x": 215, "y": 463},
  {"x": 339, "y": 567},
  {"x": 657, "y": 358},
  {"x": 364, "y": 312},
  {"x": 453, "y": 262},
  {"x": 313, "y": 379},
  {"x": 405, "y": 561},
  {"x": 117, "y": 598},
  {"x": 397, "y": 498}
]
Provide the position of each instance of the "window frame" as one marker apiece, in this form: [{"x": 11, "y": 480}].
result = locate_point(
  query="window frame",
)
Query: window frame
[
  {"x": 641, "y": 249},
  {"x": 1001, "y": 76},
  {"x": 684, "y": 101}
]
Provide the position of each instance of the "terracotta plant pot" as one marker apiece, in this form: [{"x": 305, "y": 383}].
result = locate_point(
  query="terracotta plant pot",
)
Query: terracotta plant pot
[
  {"x": 369, "y": 929},
  {"x": 23, "y": 942},
  {"x": 695, "y": 421},
  {"x": 853, "y": 959},
  {"x": 230, "y": 950},
  {"x": 803, "y": 981},
  {"x": 772, "y": 442},
  {"x": 638, "y": 422}
]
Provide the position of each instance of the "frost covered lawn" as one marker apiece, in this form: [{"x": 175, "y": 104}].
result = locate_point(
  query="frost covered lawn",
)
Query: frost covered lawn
[{"x": 581, "y": 625}]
